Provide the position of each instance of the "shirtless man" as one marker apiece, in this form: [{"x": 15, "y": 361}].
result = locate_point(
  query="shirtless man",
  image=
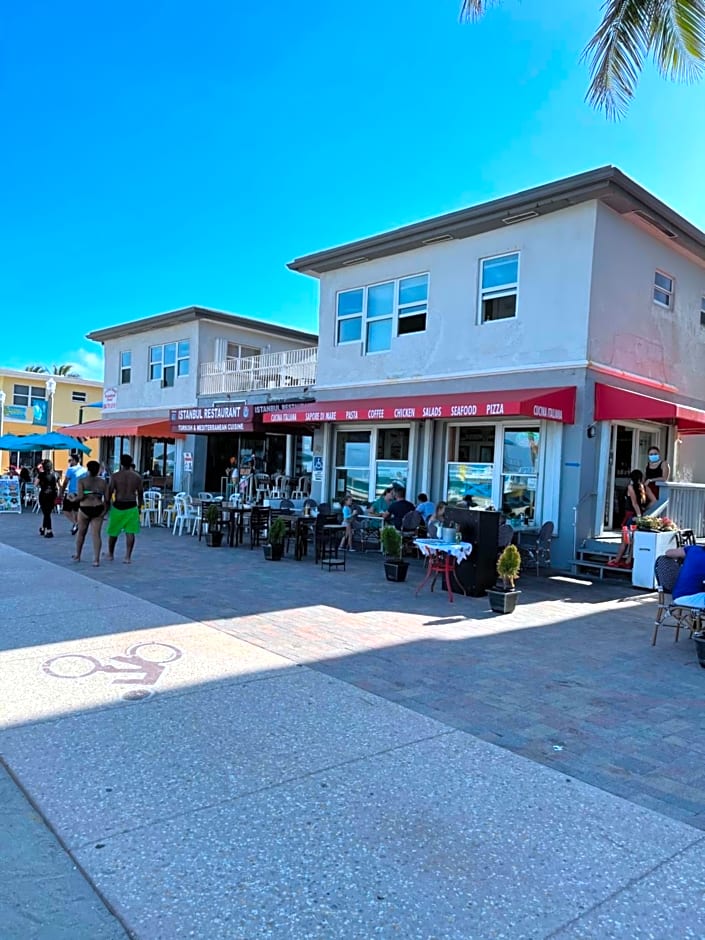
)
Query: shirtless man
[{"x": 125, "y": 496}]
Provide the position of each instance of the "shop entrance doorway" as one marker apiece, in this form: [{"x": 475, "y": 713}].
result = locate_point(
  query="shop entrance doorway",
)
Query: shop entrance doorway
[{"x": 629, "y": 447}]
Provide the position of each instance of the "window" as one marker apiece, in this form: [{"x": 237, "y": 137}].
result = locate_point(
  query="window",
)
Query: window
[
  {"x": 401, "y": 304},
  {"x": 520, "y": 473},
  {"x": 352, "y": 464},
  {"x": 78, "y": 396},
  {"x": 169, "y": 361},
  {"x": 350, "y": 316},
  {"x": 125, "y": 368},
  {"x": 499, "y": 284},
  {"x": 702, "y": 311},
  {"x": 28, "y": 395},
  {"x": 663, "y": 289},
  {"x": 238, "y": 351}
]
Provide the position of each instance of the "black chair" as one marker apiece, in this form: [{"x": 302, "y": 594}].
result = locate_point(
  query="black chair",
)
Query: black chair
[
  {"x": 323, "y": 539},
  {"x": 539, "y": 551},
  {"x": 310, "y": 503},
  {"x": 410, "y": 528},
  {"x": 505, "y": 536},
  {"x": 286, "y": 505},
  {"x": 259, "y": 526}
]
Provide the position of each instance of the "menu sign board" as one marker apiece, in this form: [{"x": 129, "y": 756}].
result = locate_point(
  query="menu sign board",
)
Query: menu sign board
[
  {"x": 550, "y": 404},
  {"x": 10, "y": 494}
]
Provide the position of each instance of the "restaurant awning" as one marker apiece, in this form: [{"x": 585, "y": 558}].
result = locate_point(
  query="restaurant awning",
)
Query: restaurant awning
[
  {"x": 122, "y": 427},
  {"x": 620, "y": 404},
  {"x": 548, "y": 404}
]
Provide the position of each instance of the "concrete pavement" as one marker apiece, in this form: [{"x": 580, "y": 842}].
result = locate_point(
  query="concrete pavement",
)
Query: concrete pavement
[{"x": 292, "y": 762}]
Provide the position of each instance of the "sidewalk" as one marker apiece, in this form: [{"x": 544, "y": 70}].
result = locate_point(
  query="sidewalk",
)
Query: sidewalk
[{"x": 268, "y": 786}]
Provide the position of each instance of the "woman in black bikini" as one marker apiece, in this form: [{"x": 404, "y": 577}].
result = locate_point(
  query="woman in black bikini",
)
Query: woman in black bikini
[{"x": 92, "y": 506}]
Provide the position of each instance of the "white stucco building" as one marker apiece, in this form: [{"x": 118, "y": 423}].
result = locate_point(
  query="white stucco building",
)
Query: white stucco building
[{"x": 528, "y": 350}]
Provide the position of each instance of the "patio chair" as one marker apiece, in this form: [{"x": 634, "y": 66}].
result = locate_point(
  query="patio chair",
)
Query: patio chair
[
  {"x": 410, "y": 529},
  {"x": 185, "y": 515},
  {"x": 302, "y": 488},
  {"x": 286, "y": 506},
  {"x": 151, "y": 508},
  {"x": 669, "y": 614},
  {"x": 505, "y": 534},
  {"x": 539, "y": 552},
  {"x": 259, "y": 526}
]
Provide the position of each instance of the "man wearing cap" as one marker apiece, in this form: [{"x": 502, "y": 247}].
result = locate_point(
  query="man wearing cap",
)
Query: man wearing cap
[{"x": 69, "y": 491}]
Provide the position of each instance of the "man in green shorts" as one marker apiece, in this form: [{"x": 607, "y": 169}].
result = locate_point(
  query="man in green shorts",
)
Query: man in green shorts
[{"x": 125, "y": 496}]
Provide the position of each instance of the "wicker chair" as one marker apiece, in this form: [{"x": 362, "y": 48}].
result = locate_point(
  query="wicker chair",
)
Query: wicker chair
[{"x": 669, "y": 614}]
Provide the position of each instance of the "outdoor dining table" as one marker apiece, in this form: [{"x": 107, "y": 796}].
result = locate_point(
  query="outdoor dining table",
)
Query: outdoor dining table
[{"x": 442, "y": 557}]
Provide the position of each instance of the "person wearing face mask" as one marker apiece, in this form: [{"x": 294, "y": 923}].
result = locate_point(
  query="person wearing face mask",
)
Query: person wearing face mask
[{"x": 657, "y": 471}]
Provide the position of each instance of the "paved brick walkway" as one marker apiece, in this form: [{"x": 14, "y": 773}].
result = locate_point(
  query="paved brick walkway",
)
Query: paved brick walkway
[{"x": 570, "y": 680}]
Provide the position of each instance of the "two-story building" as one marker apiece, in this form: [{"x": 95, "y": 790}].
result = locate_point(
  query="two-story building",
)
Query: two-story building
[
  {"x": 35, "y": 402},
  {"x": 528, "y": 351},
  {"x": 185, "y": 391}
]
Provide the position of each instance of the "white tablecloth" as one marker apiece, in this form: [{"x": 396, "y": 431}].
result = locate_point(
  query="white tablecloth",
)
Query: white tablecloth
[{"x": 459, "y": 550}]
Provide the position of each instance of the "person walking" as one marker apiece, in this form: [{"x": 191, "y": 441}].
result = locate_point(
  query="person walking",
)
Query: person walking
[
  {"x": 125, "y": 496},
  {"x": 92, "y": 506},
  {"x": 348, "y": 515},
  {"x": 48, "y": 492},
  {"x": 69, "y": 491}
]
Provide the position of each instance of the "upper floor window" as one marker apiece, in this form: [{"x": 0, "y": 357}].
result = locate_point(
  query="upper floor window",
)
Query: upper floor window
[
  {"x": 168, "y": 362},
  {"x": 663, "y": 289},
  {"x": 125, "y": 367},
  {"x": 376, "y": 313},
  {"x": 499, "y": 286},
  {"x": 28, "y": 395},
  {"x": 78, "y": 396},
  {"x": 238, "y": 351}
]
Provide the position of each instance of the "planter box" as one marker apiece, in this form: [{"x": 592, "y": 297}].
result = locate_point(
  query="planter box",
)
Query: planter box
[
  {"x": 503, "y": 602},
  {"x": 214, "y": 539},
  {"x": 273, "y": 552},
  {"x": 699, "y": 640},
  {"x": 647, "y": 548},
  {"x": 396, "y": 570}
]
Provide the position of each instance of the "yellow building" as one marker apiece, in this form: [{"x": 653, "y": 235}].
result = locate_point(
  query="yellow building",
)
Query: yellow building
[{"x": 29, "y": 407}]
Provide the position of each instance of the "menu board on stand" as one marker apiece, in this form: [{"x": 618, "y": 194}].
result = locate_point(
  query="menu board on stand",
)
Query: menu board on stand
[{"x": 10, "y": 494}]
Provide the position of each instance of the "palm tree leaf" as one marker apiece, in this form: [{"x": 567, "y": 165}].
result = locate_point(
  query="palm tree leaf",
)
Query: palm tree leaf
[
  {"x": 677, "y": 38},
  {"x": 617, "y": 52},
  {"x": 35, "y": 369},
  {"x": 474, "y": 9}
]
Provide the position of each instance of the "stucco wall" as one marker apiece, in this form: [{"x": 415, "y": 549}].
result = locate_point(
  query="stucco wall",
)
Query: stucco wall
[
  {"x": 550, "y": 326},
  {"x": 628, "y": 330}
]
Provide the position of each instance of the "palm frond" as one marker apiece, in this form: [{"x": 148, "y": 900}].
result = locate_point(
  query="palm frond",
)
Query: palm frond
[
  {"x": 671, "y": 31},
  {"x": 474, "y": 9},
  {"x": 35, "y": 369}
]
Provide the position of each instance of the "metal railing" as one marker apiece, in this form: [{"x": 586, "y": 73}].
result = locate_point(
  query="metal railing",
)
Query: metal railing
[
  {"x": 686, "y": 505},
  {"x": 292, "y": 368}
]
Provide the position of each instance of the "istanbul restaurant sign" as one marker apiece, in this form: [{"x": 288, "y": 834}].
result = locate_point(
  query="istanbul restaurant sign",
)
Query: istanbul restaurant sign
[
  {"x": 212, "y": 419},
  {"x": 547, "y": 404}
]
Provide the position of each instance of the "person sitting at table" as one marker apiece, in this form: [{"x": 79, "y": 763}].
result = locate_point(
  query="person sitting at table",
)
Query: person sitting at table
[
  {"x": 466, "y": 502},
  {"x": 399, "y": 507},
  {"x": 436, "y": 522},
  {"x": 425, "y": 507},
  {"x": 382, "y": 503}
]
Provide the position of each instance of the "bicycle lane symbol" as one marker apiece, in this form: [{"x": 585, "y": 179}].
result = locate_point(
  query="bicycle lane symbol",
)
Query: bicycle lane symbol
[{"x": 141, "y": 664}]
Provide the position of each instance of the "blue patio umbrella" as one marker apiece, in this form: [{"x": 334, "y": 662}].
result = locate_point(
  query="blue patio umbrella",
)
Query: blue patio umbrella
[{"x": 48, "y": 441}]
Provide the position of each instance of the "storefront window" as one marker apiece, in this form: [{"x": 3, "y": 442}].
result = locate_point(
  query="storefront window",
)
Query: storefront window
[
  {"x": 117, "y": 446},
  {"x": 304, "y": 455},
  {"x": 520, "y": 469},
  {"x": 470, "y": 479},
  {"x": 158, "y": 457},
  {"x": 392, "y": 464},
  {"x": 352, "y": 464}
]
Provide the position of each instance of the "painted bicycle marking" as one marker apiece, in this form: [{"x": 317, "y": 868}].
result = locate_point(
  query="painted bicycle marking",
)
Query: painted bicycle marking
[{"x": 141, "y": 664}]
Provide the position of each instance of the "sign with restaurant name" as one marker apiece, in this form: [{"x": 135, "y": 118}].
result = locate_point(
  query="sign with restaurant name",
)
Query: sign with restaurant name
[
  {"x": 211, "y": 419},
  {"x": 548, "y": 404}
]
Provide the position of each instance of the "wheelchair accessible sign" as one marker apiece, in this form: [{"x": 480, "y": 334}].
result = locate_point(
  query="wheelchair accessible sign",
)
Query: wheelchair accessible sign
[{"x": 317, "y": 475}]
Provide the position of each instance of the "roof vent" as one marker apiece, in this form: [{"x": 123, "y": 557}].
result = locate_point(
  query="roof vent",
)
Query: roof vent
[
  {"x": 520, "y": 217},
  {"x": 355, "y": 261},
  {"x": 654, "y": 224},
  {"x": 437, "y": 238}
]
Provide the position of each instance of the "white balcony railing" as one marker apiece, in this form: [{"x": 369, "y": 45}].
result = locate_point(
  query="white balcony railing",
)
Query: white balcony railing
[
  {"x": 292, "y": 368},
  {"x": 686, "y": 505}
]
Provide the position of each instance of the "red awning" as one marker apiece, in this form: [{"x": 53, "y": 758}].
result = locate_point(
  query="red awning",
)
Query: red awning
[
  {"x": 549, "y": 404},
  {"x": 619, "y": 404},
  {"x": 122, "y": 427}
]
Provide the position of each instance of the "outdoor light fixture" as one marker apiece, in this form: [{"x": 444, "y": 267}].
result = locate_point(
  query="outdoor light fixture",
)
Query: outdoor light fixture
[
  {"x": 51, "y": 388},
  {"x": 591, "y": 430},
  {"x": 2, "y": 411}
]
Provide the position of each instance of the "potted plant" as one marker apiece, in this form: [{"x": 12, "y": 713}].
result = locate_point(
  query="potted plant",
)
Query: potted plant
[
  {"x": 213, "y": 519},
  {"x": 395, "y": 568},
  {"x": 503, "y": 597},
  {"x": 699, "y": 640},
  {"x": 274, "y": 549}
]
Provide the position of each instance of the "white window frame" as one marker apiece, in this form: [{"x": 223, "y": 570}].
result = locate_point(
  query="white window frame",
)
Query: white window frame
[
  {"x": 125, "y": 368},
  {"x": 398, "y": 312},
  {"x": 250, "y": 351},
  {"x": 34, "y": 393},
  {"x": 511, "y": 289},
  {"x": 172, "y": 365},
  {"x": 670, "y": 293}
]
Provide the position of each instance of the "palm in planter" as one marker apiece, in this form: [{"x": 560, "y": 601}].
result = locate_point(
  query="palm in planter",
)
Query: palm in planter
[
  {"x": 503, "y": 599},
  {"x": 274, "y": 549},
  {"x": 395, "y": 568},
  {"x": 213, "y": 518}
]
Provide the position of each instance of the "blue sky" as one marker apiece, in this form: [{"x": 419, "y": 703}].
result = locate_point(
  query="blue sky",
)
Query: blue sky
[{"x": 168, "y": 153}]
